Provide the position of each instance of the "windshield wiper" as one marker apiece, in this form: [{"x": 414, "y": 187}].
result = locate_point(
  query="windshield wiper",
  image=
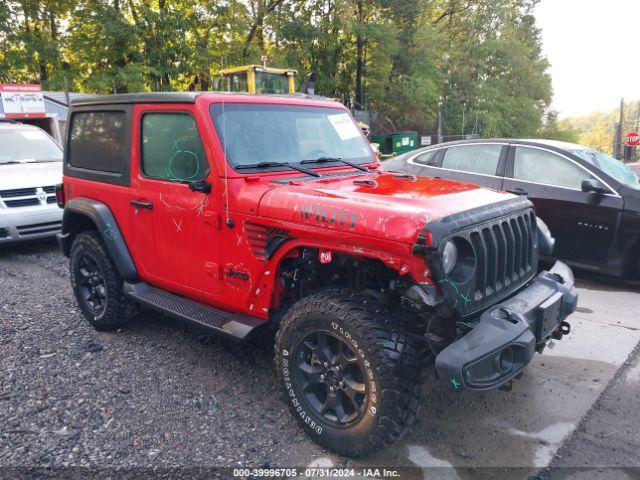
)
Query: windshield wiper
[
  {"x": 335, "y": 159},
  {"x": 277, "y": 164}
]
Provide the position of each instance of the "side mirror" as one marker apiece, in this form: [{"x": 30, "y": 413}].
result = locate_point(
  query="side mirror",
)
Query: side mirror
[
  {"x": 593, "y": 186},
  {"x": 202, "y": 187}
]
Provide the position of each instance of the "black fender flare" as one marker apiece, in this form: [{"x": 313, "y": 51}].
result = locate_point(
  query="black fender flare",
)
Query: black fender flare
[{"x": 106, "y": 225}]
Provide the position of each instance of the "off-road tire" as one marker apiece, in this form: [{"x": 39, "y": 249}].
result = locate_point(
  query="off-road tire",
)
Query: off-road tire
[
  {"x": 118, "y": 309},
  {"x": 394, "y": 379}
]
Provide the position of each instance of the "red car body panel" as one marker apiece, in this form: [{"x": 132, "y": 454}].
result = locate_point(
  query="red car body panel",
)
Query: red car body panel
[{"x": 206, "y": 247}]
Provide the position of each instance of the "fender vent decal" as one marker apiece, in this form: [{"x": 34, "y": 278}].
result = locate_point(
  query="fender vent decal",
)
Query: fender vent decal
[{"x": 263, "y": 240}]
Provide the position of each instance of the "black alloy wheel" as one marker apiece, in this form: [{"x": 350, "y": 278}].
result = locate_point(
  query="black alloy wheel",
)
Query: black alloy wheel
[
  {"x": 332, "y": 378},
  {"x": 91, "y": 284},
  {"x": 96, "y": 283}
]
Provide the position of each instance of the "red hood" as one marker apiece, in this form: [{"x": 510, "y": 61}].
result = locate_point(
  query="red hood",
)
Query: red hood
[{"x": 391, "y": 206}]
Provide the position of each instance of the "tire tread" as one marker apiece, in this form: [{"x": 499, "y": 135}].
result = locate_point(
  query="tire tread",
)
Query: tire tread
[{"x": 395, "y": 358}]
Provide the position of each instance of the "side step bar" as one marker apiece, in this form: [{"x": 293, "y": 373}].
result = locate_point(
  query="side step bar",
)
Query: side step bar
[{"x": 236, "y": 326}]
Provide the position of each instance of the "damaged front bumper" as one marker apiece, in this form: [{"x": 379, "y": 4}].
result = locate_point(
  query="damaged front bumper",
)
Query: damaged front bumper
[{"x": 508, "y": 334}]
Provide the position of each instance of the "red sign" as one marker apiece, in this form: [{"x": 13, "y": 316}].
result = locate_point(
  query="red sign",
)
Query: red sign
[
  {"x": 21, "y": 100},
  {"x": 19, "y": 87},
  {"x": 632, "y": 140}
]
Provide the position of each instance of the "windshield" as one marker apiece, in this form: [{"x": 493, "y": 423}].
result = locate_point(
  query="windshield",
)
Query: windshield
[
  {"x": 27, "y": 145},
  {"x": 253, "y": 133},
  {"x": 609, "y": 165}
]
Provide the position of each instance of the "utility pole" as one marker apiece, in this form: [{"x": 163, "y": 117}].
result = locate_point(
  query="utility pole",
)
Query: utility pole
[
  {"x": 463, "y": 108},
  {"x": 68, "y": 98},
  {"x": 617, "y": 138}
]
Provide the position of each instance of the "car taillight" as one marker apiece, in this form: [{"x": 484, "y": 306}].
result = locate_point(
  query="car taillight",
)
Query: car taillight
[{"x": 60, "y": 194}]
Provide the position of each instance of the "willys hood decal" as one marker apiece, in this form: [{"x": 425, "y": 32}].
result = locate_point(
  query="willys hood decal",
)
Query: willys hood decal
[{"x": 376, "y": 205}]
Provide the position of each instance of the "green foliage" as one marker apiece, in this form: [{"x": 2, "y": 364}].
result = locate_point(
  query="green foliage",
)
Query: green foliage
[
  {"x": 401, "y": 59},
  {"x": 596, "y": 130},
  {"x": 558, "y": 130}
]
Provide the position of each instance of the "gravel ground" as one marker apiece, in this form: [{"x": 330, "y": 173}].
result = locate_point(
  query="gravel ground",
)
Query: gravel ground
[
  {"x": 157, "y": 392},
  {"x": 162, "y": 394}
]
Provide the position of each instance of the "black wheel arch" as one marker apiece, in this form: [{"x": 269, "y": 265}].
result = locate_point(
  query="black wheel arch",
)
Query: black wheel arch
[{"x": 82, "y": 214}]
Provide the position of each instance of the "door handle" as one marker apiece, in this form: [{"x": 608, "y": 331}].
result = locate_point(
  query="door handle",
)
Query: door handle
[
  {"x": 518, "y": 191},
  {"x": 202, "y": 187},
  {"x": 139, "y": 204}
]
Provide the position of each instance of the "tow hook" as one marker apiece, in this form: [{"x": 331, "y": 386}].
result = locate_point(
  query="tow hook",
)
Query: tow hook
[
  {"x": 563, "y": 329},
  {"x": 507, "y": 387}
]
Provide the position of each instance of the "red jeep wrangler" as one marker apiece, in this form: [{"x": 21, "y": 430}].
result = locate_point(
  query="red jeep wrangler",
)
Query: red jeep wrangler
[{"x": 245, "y": 213}]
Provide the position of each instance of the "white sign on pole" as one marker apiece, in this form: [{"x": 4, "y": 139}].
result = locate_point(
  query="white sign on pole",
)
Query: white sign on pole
[{"x": 22, "y": 100}]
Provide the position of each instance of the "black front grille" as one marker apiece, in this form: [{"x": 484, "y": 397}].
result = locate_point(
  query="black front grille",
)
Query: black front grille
[
  {"x": 39, "y": 228},
  {"x": 17, "y": 192},
  {"x": 25, "y": 197},
  {"x": 23, "y": 202},
  {"x": 504, "y": 254},
  {"x": 506, "y": 258}
]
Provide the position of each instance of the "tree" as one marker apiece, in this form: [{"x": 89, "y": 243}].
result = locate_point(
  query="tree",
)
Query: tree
[
  {"x": 402, "y": 60},
  {"x": 556, "y": 130}
]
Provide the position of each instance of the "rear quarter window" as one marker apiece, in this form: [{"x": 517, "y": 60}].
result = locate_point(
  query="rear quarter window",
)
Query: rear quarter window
[
  {"x": 428, "y": 159},
  {"x": 97, "y": 141}
]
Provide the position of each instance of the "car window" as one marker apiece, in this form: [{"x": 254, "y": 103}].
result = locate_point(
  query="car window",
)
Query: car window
[
  {"x": 271, "y": 83},
  {"x": 611, "y": 166},
  {"x": 238, "y": 82},
  {"x": 427, "y": 159},
  {"x": 98, "y": 141},
  {"x": 482, "y": 159},
  {"x": 542, "y": 166},
  {"x": 171, "y": 148}
]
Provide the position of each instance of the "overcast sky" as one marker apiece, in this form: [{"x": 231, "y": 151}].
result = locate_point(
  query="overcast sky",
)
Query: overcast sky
[{"x": 594, "y": 50}]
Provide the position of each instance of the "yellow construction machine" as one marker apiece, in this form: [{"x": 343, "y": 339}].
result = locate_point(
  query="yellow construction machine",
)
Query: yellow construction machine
[{"x": 259, "y": 79}]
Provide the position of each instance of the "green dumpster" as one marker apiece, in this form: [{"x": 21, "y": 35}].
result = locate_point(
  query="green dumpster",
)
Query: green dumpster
[{"x": 396, "y": 143}]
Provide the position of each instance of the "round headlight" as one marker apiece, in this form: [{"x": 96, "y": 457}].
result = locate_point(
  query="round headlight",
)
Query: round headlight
[{"x": 449, "y": 257}]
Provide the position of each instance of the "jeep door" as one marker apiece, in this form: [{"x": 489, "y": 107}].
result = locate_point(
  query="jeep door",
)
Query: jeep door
[
  {"x": 174, "y": 227},
  {"x": 584, "y": 224},
  {"x": 478, "y": 163}
]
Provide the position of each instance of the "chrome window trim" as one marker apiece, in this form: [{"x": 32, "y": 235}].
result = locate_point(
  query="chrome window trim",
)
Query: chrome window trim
[
  {"x": 557, "y": 186},
  {"x": 412, "y": 162},
  {"x": 614, "y": 194}
]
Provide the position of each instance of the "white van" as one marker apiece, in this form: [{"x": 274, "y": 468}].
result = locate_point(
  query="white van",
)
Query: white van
[{"x": 30, "y": 168}]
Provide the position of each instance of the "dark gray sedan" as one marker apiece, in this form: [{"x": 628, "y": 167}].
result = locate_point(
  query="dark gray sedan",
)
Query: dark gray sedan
[{"x": 589, "y": 200}]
